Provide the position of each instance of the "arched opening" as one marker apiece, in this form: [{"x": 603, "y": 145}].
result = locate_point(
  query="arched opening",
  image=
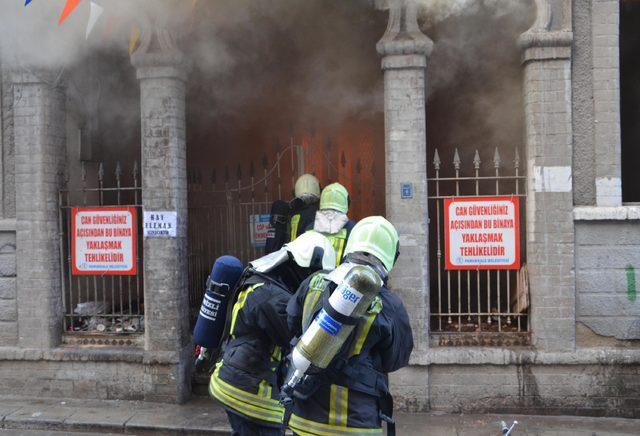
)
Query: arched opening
[
  {"x": 103, "y": 155},
  {"x": 475, "y": 131},
  {"x": 278, "y": 89}
]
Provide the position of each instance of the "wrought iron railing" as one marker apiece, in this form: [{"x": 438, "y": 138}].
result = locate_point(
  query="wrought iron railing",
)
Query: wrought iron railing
[
  {"x": 101, "y": 304},
  {"x": 474, "y": 306}
]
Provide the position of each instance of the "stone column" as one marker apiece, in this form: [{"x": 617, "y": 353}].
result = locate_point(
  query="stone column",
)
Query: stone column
[
  {"x": 405, "y": 51},
  {"x": 39, "y": 129},
  {"x": 549, "y": 206},
  {"x": 160, "y": 69},
  {"x": 606, "y": 101}
]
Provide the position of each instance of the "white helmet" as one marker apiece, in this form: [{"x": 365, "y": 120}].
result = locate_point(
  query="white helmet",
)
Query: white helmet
[{"x": 310, "y": 244}]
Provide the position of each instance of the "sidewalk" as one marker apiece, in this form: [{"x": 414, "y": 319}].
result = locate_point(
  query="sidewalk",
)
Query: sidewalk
[{"x": 201, "y": 417}]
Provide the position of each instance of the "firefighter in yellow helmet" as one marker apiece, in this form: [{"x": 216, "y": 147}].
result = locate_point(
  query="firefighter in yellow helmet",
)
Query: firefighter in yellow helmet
[
  {"x": 332, "y": 220},
  {"x": 351, "y": 396},
  {"x": 304, "y": 205},
  {"x": 246, "y": 379}
]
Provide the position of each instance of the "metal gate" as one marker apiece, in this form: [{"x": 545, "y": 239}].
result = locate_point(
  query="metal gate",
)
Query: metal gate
[
  {"x": 101, "y": 309},
  {"x": 221, "y": 207},
  {"x": 224, "y": 195},
  {"x": 476, "y": 307}
]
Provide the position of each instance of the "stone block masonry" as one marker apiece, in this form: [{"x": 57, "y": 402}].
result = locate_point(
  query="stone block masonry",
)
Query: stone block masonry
[
  {"x": 8, "y": 295},
  {"x": 162, "y": 75},
  {"x": 39, "y": 130},
  {"x": 608, "y": 276},
  {"x": 405, "y": 51}
]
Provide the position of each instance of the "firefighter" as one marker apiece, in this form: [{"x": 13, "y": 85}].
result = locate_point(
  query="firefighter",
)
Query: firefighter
[
  {"x": 246, "y": 379},
  {"x": 332, "y": 220},
  {"x": 304, "y": 205},
  {"x": 351, "y": 396}
]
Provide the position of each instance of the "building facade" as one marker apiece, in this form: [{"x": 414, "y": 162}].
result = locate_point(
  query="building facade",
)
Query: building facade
[{"x": 581, "y": 241}]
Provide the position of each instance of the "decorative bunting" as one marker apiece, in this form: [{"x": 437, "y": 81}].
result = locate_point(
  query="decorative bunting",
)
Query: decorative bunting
[
  {"x": 69, "y": 7},
  {"x": 26, "y": 2},
  {"x": 94, "y": 15},
  {"x": 133, "y": 40}
]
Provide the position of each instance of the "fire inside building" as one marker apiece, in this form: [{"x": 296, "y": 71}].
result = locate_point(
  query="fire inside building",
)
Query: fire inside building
[{"x": 175, "y": 128}]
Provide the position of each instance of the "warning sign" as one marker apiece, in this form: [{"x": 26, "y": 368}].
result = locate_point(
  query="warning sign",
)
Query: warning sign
[
  {"x": 482, "y": 233},
  {"x": 259, "y": 229},
  {"x": 103, "y": 241}
]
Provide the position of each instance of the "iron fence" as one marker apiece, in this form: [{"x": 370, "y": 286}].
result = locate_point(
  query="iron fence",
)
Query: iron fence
[
  {"x": 474, "y": 306},
  {"x": 104, "y": 304}
]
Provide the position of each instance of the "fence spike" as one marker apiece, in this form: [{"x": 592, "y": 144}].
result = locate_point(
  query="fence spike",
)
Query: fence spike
[
  {"x": 516, "y": 160},
  {"x": 101, "y": 172},
  {"x": 251, "y": 169},
  {"x": 496, "y": 159},
  {"x": 239, "y": 172},
  {"x": 476, "y": 160},
  {"x": 135, "y": 169},
  {"x": 265, "y": 161},
  {"x": 118, "y": 171},
  {"x": 83, "y": 172},
  {"x": 436, "y": 160},
  {"x": 456, "y": 159}
]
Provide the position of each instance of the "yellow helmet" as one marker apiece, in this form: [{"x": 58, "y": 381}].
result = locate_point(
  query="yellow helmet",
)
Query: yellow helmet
[
  {"x": 377, "y": 236},
  {"x": 307, "y": 185},
  {"x": 336, "y": 197}
]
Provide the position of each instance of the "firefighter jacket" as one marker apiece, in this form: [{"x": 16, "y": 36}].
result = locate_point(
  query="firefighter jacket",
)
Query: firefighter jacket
[
  {"x": 354, "y": 394},
  {"x": 336, "y": 227},
  {"x": 302, "y": 218},
  {"x": 246, "y": 379}
]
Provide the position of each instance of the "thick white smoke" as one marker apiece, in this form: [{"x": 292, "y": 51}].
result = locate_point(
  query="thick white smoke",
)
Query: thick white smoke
[{"x": 439, "y": 10}]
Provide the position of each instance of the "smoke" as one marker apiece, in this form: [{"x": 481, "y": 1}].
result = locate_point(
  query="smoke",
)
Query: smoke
[
  {"x": 439, "y": 10},
  {"x": 475, "y": 74},
  {"x": 264, "y": 70}
]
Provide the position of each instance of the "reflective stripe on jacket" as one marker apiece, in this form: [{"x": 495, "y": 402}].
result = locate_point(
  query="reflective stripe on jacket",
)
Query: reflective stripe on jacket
[
  {"x": 245, "y": 380},
  {"x": 301, "y": 220},
  {"x": 381, "y": 343}
]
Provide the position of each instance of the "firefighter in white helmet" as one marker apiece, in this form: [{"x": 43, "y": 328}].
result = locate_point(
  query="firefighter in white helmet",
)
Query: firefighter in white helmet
[
  {"x": 332, "y": 219},
  {"x": 246, "y": 378},
  {"x": 351, "y": 395}
]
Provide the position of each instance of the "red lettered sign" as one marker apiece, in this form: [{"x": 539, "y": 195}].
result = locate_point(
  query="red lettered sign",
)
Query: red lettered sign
[
  {"x": 482, "y": 233},
  {"x": 103, "y": 241}
]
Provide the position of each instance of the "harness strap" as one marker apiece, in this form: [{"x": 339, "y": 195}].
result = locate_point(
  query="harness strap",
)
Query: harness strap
[{"x": 343, "y": 319}]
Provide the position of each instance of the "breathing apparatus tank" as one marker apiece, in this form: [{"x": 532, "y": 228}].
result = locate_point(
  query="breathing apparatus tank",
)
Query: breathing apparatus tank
[
  {"x": 331, "y": 328},
  {"x": 225, "y": 273}
]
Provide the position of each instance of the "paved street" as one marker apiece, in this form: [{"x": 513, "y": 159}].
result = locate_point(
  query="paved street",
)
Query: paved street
[{"x": 37, "y": 417}]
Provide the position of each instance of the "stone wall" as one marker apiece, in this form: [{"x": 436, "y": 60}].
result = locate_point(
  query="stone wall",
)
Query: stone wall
[
  {"x": 8, "y": 204},
  {"x": 596, "y": 102},
  {"x": 607, "y": 261},
  {"x": 595, "y": 382},
  {"x": 594, "y": 390},
  {"x": 85, "y": 373},
  {"x": 8, "y": 301}
]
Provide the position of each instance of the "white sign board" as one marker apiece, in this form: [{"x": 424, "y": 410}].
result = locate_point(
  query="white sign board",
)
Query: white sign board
[
  {"x": 160, "y": 224},
  {"x": 482, "y": 233},
  {"x": 259, "y": 228},
  {"x": 103, "y": 240}
]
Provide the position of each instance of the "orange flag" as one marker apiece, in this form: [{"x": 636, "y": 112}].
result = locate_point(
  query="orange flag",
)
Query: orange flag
[
  {"x": 69, "y": 7},
  {"x": 133, "y": 39}
]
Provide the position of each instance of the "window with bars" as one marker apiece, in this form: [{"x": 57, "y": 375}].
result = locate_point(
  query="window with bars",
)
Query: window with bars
[
  {"x": 476, "y": 306},
  {"x": 102, "y": 309}
]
